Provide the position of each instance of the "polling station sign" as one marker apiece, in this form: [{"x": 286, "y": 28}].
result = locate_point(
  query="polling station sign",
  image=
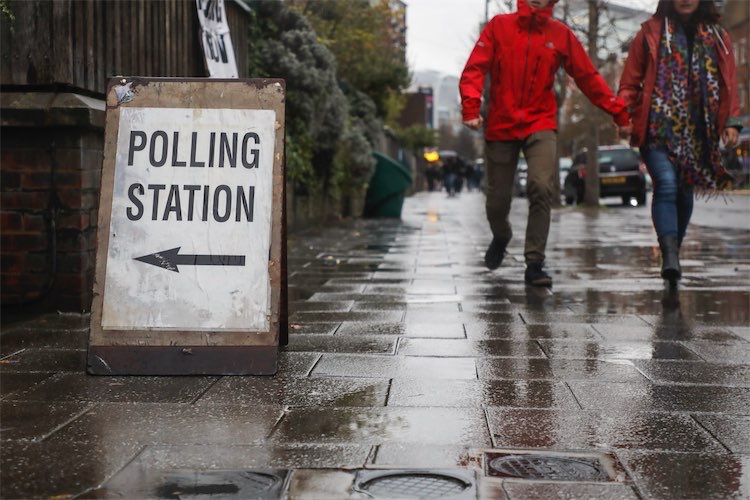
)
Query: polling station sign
[{"x": 188, "y": 270}]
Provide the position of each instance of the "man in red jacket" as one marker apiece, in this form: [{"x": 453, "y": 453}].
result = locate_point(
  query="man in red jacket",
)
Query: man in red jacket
[{"x": 522, "y": 52}]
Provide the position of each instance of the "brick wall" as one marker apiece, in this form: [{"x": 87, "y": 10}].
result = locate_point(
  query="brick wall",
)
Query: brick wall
[{"x": 50, "y": 169}]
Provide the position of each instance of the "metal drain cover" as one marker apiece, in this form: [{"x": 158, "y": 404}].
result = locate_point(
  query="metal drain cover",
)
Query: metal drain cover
[
  {"x": 416, "y": 484},
  {"x": 551, "y": 468},
  {"x": 220, "y": 484}
]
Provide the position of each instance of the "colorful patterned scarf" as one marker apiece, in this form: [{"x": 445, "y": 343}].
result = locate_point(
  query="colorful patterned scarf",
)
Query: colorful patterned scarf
[{"x": 684, "y": 106}]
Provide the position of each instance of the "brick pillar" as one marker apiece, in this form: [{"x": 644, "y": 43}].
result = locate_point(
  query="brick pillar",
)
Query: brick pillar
[{"x": 50, "y": 170}]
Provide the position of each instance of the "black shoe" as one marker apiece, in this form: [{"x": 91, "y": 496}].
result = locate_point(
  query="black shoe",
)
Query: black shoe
[
  {"x": 495, "y": 254},
  {"x": 536, "y": 276},
  {"x": 670, "y": 259}
]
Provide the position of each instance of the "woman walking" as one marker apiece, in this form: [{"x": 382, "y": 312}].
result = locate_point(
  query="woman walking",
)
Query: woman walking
[{"x": 679, "y": 83}]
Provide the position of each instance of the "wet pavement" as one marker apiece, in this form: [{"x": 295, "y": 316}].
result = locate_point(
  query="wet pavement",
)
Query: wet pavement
[{"x": 413, "y": 372}]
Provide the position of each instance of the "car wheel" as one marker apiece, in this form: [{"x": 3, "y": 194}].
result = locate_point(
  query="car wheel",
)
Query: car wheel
[{"x": 626, "y": 200}]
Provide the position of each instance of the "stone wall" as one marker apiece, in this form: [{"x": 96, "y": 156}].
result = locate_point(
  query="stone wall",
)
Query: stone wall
[{"x": 50, "y": 171}]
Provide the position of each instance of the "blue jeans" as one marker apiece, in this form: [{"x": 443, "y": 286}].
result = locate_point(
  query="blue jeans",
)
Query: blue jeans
[{"x": 672, "y": 203}]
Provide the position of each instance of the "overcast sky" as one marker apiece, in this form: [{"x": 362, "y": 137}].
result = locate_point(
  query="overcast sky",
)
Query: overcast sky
[{"x": 441, "y": 33}]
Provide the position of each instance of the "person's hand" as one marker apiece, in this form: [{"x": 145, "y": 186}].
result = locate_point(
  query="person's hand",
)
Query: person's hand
[
  {"x": 474, "y": 123},
  {"x": 730, "y": 136}
]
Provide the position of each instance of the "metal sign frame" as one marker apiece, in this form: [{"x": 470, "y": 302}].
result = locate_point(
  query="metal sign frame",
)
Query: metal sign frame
[{"x": 186, "y": 351}]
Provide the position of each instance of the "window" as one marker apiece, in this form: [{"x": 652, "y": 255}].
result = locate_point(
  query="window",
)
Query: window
[{"x": 618, "y": 157}]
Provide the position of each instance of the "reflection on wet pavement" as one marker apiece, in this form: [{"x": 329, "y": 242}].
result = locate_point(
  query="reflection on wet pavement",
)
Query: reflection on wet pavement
[{"x": 406, "y": 353}]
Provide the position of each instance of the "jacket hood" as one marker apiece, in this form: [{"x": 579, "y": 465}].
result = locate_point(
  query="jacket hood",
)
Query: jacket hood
[{"x": 526, "y": 13}]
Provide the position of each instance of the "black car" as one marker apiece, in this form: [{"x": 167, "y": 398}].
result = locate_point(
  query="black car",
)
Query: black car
[{"x": 621, "y": 173}]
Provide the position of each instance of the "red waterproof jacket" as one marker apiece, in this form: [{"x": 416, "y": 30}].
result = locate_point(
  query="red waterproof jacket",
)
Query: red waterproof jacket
[
  {"x": 639, "y": 77},
  {"x": 522, "y": 52}
]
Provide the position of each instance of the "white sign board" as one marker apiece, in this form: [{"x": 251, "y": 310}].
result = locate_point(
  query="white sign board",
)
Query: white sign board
[
  {"x": 215, "y": 39},
  {"x": 190, "y": 229}
]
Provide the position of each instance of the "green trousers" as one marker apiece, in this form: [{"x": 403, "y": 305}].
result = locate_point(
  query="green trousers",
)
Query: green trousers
[{"x": 540, "y": 151}]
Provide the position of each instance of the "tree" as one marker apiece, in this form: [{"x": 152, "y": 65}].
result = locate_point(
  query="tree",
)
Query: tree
[
  {"x": 418, "y": 137},
  {"x": 285, "y": 46},
  {"x": 344, "y": 75},
  {"x": 591, "y": 195},
  {"x": 463, "y": 142},
  {"x": 359, "y": 34}
]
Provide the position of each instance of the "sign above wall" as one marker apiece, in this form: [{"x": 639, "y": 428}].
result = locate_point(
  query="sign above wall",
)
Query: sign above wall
[
  {"x": 215, "y": 39},
  {"x": 189, "y": 245}
]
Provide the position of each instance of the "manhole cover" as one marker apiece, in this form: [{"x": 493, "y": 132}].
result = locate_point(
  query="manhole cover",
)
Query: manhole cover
[
  {"x": 219, "y": 484},
  {"x": 413, "y": 484},
  {"x": 547, "y": 467}
]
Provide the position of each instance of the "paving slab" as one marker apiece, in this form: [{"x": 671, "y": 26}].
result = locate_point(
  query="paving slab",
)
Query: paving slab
[
  {"x": 741, "y": 331},
  {"x": 297, "y": 364},
  {"x": 11, "y": 382},
  {"x": 16, "y": 339},
  {"x": 689, "y": 475},
  {"x": 45, "y": 360},
  {"x": 480, "y": 393},
  {"x": 676, "y": 398},
  {"x": 558, "y": 369},
  {"x": 523, "y": 489},
  {"x": 154, "y": 423},
  {"x": 405, "y": 353},
  {"x": 314, "y": 328},
  {"x": 277, "y": 456},
  {"x": 81, "y": 387},
  {"x": 321, "y": 306},
  {"x": 359, "y": 344},
  {"x": 734, "y": 352},
  {"x": 469, "y": 348},
  {"x": 61, "y": 469},
  {"x": 690, "y": 372},
  {"x": 568, "y": 331},
  {"x": 563, "y": 429},
  {"x": 378, "y": 425},
  {"x": 36, "y": 420},
  {"x": 285, "y": 391},
  {"x": 414, "y": 329},
  {"x": 422, "y": 456},
  {"x": 659, "y": 332},
  {"x": 567, "y": 349},
  {"x": 341, "y": 365},
  {"x": 732, "y": 431}
]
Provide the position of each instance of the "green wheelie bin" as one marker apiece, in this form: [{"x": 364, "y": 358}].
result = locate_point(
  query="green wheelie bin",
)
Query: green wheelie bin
[{"x": 388, "y": 187}]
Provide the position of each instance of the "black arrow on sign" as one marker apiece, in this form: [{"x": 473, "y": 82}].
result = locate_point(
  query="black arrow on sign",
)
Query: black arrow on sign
[{"x": 170, "y": 259}]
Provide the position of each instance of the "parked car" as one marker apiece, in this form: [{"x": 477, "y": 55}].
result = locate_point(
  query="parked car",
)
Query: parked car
[
  {"x": 520, "y": 182},
  {"x": 564, "y": 164},
  {"x": 621, "y": 173}
]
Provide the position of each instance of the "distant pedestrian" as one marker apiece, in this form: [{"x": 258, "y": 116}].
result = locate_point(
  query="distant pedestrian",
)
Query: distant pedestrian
[
  {"x": 679, "y": 81},
  {"x": 452, "y": 175},
  {"x": 432, "y": 175},
  {"x": 477, "y": 172},
  {"x": 522, "y": 52}
]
